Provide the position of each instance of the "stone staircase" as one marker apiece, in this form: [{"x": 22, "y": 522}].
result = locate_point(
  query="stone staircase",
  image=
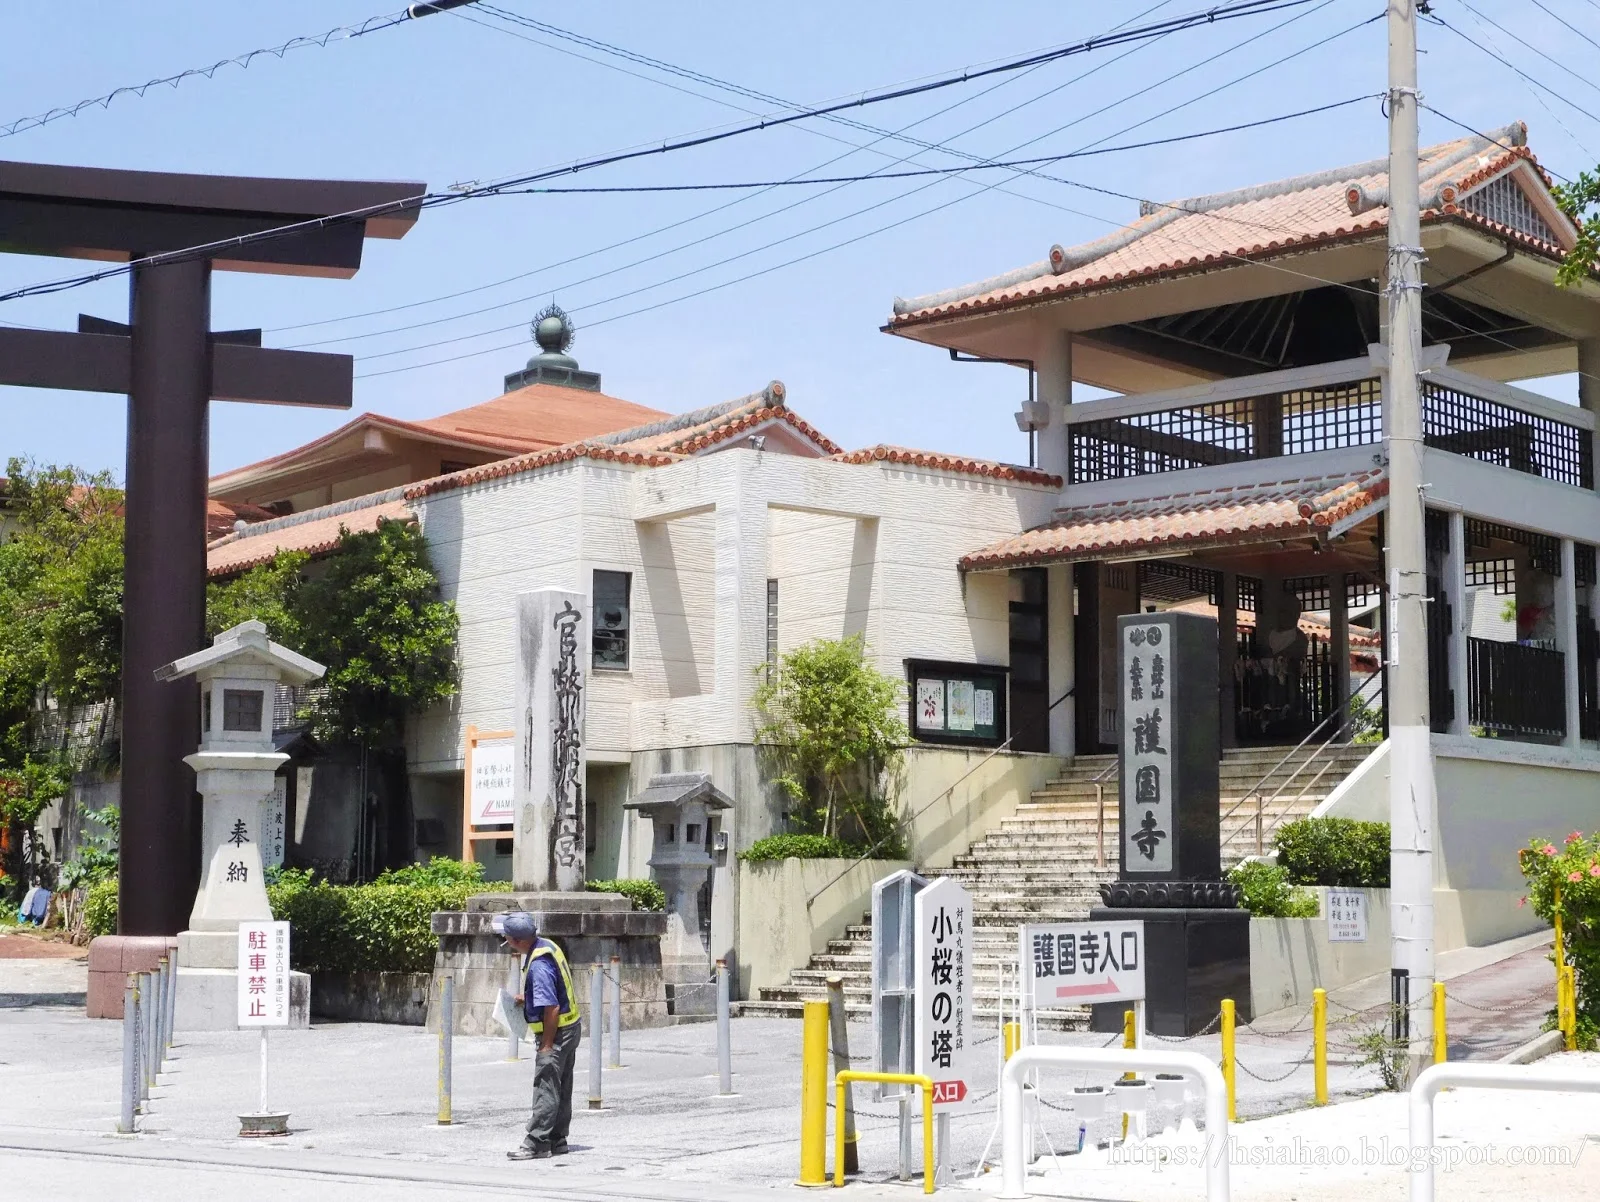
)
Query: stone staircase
[{"x": 1042, "y": 865}]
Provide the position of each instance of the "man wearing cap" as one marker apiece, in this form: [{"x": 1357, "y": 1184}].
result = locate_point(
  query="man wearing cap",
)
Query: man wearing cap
[{"x": 551, "y": 1007}]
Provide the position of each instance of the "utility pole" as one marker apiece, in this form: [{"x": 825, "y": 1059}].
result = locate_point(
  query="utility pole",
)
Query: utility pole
[{"x": 1411, "y": 785}]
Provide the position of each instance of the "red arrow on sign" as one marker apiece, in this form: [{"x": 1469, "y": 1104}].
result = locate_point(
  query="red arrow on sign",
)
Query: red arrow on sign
[
  {"x": 949, "y": 1091},
  {"x": 1106, "y": 986}
]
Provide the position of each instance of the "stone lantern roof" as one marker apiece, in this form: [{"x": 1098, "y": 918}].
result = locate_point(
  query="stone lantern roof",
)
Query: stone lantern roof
[{"x": 245, "y": 646}]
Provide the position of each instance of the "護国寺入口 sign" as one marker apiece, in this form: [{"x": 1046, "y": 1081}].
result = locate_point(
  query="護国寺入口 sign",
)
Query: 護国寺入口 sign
[{"x": 1079, "y": 963}]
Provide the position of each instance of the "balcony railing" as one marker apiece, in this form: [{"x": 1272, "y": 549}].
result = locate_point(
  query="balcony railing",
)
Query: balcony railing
[
  {"x": 1323, "y": 408},
  {"x": 1516, "y": 691}
]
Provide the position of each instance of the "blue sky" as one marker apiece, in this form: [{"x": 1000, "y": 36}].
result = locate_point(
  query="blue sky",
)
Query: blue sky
[{"x": 451, "y": 99}]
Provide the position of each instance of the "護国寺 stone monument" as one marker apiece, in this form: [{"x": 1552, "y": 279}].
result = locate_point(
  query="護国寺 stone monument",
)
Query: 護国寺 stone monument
[
  {"x": 1197, "y": 940},
  {"x": 238, "y": 675}
]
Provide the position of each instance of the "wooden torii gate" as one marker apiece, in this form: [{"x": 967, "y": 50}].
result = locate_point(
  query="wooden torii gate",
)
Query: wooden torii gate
[{"x": 171, "y": 365}]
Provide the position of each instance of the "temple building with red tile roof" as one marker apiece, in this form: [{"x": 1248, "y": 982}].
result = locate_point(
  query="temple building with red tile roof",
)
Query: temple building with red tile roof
[{"x": 1241, "y": 471}]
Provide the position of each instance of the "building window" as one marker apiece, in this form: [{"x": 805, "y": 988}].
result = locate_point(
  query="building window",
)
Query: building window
[
  {"x": 772, "y": 626},
  {"x": 611, "y": 620},
  {"x": 241, "y": 709}
]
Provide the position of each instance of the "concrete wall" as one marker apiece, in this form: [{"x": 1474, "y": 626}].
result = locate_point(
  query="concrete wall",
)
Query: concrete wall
[
  {"x": 1289, "y": 957},
  {"x": 779, "y": 932},
  {"x": 1494, "y": 795},
  {"x": 948, "y": 813}
]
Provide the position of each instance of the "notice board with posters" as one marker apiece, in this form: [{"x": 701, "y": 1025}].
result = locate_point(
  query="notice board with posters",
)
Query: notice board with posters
[{"x": 962, "y": 704}]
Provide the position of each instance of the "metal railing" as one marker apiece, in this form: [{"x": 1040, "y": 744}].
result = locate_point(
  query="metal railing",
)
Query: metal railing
[
  {"x": 1258, "y": 790},
  {"x": 1100, "y": 810},
  {"x": 1516, "y": 690}
]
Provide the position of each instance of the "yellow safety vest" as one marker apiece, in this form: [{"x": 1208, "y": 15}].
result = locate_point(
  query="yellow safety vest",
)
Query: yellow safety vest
[{"x": 568, "y": 1016}]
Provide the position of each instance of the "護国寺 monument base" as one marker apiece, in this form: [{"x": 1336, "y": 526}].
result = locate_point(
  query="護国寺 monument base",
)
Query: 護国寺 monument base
[{"x": 1194, "y": 958}]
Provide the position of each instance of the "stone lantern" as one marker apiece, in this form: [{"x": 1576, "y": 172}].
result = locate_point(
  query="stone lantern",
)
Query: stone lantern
[
  {"x": 235, "y": 767},
  {"x": 682, "y": 807}
]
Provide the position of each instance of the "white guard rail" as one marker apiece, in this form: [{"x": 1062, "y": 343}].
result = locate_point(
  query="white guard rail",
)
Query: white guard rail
[
  {"x": 1476, "y": 1076},
  {"x": 1014, "y": 1169}
]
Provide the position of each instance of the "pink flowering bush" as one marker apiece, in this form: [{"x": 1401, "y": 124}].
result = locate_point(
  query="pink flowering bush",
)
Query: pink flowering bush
[{"x": 1574, "y": 868}]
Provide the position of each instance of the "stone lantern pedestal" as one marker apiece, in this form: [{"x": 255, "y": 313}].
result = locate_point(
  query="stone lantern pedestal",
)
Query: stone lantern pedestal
[
  {"x": 682, "y": 807},
  {"x": 234, "y": 771}
]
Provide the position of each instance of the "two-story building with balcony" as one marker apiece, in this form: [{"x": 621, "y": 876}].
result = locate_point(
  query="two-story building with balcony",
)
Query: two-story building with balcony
[{"x": 1241, "y": 470}]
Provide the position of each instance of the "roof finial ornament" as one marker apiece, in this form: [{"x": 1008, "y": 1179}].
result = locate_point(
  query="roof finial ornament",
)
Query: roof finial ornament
[{"x": 552, "y": 330}]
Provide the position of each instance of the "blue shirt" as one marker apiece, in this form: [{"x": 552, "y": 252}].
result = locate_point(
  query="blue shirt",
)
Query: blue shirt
[{"x": 543, "y": 986}]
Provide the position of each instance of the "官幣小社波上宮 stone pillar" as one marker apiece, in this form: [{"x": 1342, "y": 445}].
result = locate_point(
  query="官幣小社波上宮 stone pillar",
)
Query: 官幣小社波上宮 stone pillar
[{"x": 548, "y": 790}]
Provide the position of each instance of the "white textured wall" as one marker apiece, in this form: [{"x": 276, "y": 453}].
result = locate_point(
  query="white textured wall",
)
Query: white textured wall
[{"x": 870, "y": 547}]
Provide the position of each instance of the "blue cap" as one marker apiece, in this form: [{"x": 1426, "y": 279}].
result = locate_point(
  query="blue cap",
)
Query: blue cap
[{"x": 520, "y": 925}]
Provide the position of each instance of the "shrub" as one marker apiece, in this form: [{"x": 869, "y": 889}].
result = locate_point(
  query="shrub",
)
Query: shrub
[
  {"x": 645, "y": 895},
  {"x": 1335, "y": 851},
  {"x": 1574, "y": 869},
  {"x": 799, "y": 847},
  {"x": 363, "y": 928},
  {"x": 439, "y": 871},
  {"x": 100, "y": 907},
  {"x": 1267, "y": 893}
]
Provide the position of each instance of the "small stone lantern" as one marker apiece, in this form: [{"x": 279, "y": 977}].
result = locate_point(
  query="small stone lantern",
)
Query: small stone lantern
[
  {"x": 681, "y": 807},
  {"x": 234, "y": 770}
]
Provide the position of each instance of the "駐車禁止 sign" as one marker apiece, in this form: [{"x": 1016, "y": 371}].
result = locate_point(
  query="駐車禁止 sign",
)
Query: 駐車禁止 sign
[{"x": 263, "y": 974}]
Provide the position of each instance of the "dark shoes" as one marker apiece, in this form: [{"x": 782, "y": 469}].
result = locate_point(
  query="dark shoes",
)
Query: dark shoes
[
  {"x": 526, "y": 1153},
  {"x": 559, "y": 1149}
]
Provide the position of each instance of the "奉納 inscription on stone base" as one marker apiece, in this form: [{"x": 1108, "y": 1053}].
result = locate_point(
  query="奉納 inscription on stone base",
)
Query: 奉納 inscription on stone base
[{"x": 552, "y": 646}]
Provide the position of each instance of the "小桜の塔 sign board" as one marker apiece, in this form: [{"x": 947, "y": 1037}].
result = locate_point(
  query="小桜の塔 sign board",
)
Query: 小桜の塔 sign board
[
  {"x": 263, "y": 974},
  {"x": 1347, "y": 916},
  {"x": 944, "y": 1024},
  {"x": 1078, "y": 963},
  {"x": 1169, "y": 747},
  {"x": 956, "y": 703},
  {"x": 492, "y": 782}
]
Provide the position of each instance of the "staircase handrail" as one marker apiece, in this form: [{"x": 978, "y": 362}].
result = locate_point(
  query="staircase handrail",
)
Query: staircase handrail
[
  {"x": 1343, "y": 714},
  {"x": 993, "y": 751},
  {"x": 1098, "y": 781}
]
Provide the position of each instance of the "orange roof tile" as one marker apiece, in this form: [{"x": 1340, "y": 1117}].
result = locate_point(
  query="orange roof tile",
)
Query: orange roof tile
[
  {"x": 1216, "y": 517},
  {"x": 221, "y": 515},
  {"x": 316, "y": 531},
  {"x": 949, "y": 463},
  {"x": 540, "y": 415},
  {"x": 1250, "y": 223}
]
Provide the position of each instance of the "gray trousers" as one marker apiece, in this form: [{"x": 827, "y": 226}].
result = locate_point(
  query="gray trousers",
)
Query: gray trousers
[{"x": 552, "y": 1091}]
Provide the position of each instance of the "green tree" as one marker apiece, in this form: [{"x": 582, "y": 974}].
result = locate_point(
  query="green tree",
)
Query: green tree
[
  {"x": 1581, "y": 201},
  {"x": 374, "y": 617},
  {"x": 262, "y": 593},
  {"x": 831, "y": 729}
]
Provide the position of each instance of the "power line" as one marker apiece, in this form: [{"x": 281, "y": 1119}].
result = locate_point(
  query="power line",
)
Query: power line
[
  {"x": 1242, "y": 8},
  {"x": 877, "y": 205},
  {"x": 858, "y": 237},
  {"x": 1586, "y": 82},
  {"x": 1510, "y": 66},
  {"x": 1472, "y": 129},
  {"x": 1568, "y": 24},
  {"x": 343, "y": 33}
]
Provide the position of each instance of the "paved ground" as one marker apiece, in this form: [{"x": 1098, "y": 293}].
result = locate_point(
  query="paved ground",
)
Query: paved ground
[{"x": 362, "y": 1103}]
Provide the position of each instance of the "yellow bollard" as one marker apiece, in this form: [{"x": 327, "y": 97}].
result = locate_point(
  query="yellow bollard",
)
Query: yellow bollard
[
  {"x": 1319, "y": 1042},
  {"x": 1569, "y": 975},
  {"x": 814, "y": 1095},
  {"x": 1013, "y": 1038},
  {"x": 1441, "y": 1029},
  {"x": 1227, "y": 1056}
]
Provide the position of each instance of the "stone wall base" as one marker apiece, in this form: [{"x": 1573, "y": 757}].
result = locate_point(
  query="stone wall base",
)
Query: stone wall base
[{"x": 112, "y": 958}]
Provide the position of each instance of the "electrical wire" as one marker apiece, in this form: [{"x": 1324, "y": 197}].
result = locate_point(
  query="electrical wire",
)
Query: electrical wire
[
  {"x": 343, "y": 33},
  {"x": 860, "y": 237},
  {"x": 1241, "y": 8},
  {"x": 1540, "y": 4},
  {"x": 1584, "y": 80},
  {"x": 880, "y": 204},
  {"x": 1518, "y": 71}
]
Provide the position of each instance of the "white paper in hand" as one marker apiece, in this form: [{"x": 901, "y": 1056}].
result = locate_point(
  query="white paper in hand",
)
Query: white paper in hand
[{"x": 508, "y": 1015}]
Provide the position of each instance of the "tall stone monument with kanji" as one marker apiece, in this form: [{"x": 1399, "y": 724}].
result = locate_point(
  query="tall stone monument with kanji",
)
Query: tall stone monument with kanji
[
  {"x": 548, "y": 851},
  {"x": 1197, "y": 940}
]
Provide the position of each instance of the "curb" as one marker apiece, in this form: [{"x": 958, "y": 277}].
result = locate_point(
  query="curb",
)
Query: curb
[{"x": 1536, "y": 1049}]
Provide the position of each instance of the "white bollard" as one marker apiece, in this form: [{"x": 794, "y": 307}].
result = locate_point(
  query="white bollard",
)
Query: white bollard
[
  {"x": 1476, "y": 1076},
  {"x": 597, "y": 1005},
  {"x": 724, "y": 1034},
  {"x": 616, "y": 1011},
  {"x": 1013, "y": 1120},
  {"x": 130, "y": 1057}
]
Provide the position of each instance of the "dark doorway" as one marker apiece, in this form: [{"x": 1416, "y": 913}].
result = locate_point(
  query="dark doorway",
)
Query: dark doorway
[{"x": 1030, "y": 661}]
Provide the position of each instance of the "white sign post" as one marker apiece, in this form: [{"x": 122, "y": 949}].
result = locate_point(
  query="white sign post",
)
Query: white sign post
[
  {"x": 944, "y": 1025},
  {"x": 264, "y": 1003},
  {"x": 1082, "y": 963},
  {"x": 1347, "y": 916},
  {"x": 493, "y": 782}
]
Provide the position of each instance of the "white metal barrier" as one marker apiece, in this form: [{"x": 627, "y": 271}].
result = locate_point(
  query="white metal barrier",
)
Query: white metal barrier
[
  {"x": 1013, "y": 1165},
  {"x": 1476, "y": 1076}
]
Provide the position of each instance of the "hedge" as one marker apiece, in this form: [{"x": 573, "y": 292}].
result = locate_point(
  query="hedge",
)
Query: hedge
[
  {"x": 645, "y": 895},
  {"x": 100, "y": 907},
  {"x": 1266, "y": 892},
  {"x": 1335, "y": 851},
  {"x": 799, "y": 847}
]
